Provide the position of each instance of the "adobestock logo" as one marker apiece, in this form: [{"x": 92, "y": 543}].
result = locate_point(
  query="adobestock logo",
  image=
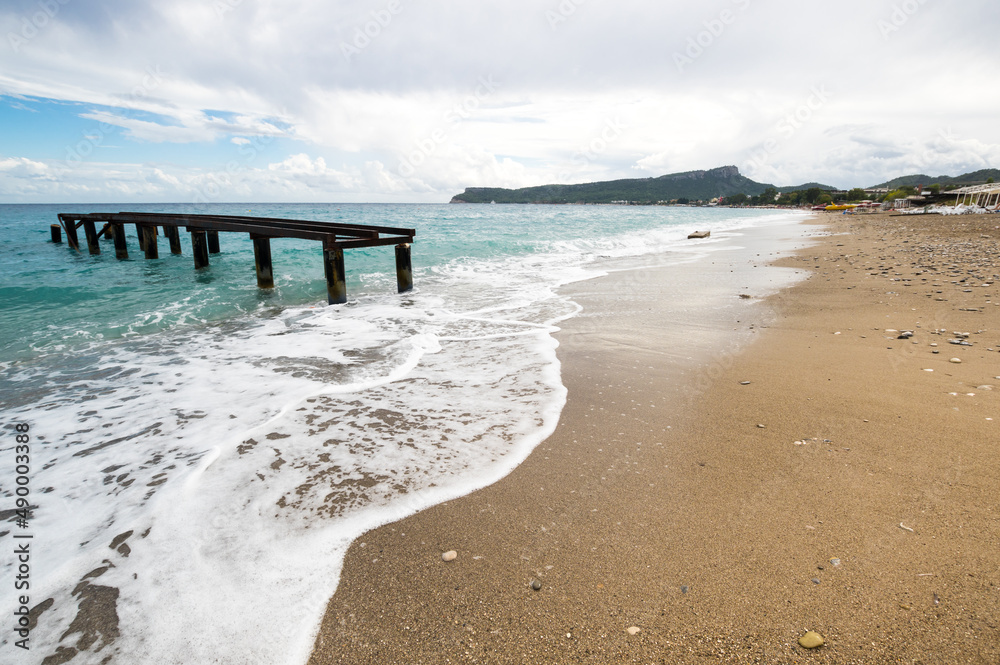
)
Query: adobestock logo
[
  {"x": 32, "y": 25},
  {"x": 365, "y": 34},
  {"x": 426, "y": 147},
  {"x": 704, "y": 40},
  {"x": 901, "y": 15}
]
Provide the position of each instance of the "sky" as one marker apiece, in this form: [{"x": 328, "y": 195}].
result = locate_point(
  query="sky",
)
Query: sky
[{"x": 406, "y": 101}]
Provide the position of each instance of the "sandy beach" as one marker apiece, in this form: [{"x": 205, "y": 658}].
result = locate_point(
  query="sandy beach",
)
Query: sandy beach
[{"x": 827, "y": 476}]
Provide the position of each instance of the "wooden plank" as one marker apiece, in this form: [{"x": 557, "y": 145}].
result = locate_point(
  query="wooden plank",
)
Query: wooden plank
[
  {"x": 376, "y": 242},
  {"x": 361, "y": 230}
]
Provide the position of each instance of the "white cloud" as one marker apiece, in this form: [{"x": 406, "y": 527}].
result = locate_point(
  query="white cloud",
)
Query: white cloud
[{"x": 409, "y": 113}]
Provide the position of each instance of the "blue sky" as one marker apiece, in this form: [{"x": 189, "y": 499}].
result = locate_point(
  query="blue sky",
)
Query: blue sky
[{"x": 395, "y": 100}]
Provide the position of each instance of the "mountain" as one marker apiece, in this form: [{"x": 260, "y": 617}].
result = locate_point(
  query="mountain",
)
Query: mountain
[
  {"x": 808, "y": 185},
  {"x": 693, "y": 185},
  {"x": 974, "y": 178}
]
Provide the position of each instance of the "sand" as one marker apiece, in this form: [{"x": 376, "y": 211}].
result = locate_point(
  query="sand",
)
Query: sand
[{"x": 845, "y": 490}]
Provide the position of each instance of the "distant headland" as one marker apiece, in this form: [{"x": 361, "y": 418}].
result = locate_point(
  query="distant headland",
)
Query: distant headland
[{"x": 704, "y": 187}]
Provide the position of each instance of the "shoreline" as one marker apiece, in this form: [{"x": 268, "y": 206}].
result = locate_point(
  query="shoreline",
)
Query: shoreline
[{"x": 844, "y": 490}]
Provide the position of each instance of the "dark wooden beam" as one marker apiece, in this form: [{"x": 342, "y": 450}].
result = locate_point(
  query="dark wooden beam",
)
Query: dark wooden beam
[
  {"x": 404, "y": 268},
  {"x": 199, "y": 247}
]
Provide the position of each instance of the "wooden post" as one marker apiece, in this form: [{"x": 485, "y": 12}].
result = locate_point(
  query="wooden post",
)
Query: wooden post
[
  {"x": 91, "y": 232},
  {"x": 262, "y": 258},
  {"x": 142, "y": 237},
  {"x": 213, "y": 242},
  {"x": 121, "y": 249},
  {"x": 336, "y": 277},
  {"x": 71, "y": 236},
  {"x": 56, "y": 231},
  {"x": 199, "y": 244},
  {"x": 152, "y": 251},
  {"x": 175, "y": 238},
  {"x": 404, "y": 268},
  {"x": 107, "y": 231}
]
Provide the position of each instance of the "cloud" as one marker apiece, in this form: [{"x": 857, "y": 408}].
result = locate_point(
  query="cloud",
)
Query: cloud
[{"x": 404, "y": 109}]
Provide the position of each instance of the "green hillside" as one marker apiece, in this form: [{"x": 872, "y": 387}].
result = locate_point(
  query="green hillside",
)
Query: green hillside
[
  {"x": 693, "y": 185},
  {"x": 974, "y": 178},
  {"x": 808, "y": 185}
]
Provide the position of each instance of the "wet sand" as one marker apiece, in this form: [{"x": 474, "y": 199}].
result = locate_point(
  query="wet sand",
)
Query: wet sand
[{"x": 844, "y": 490}]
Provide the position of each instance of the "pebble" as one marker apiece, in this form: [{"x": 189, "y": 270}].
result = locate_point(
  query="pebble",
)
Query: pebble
[
  {"x": 956, "y": 361},
  {"x": 835, "y": 562},
  {"x": 811, "y": 640},
  {"x": 815, "y": 580},
  {"x": 536, "y": 585},
  {"x": 684, "y": 589},
  {"x": 449, "y": 556},
  {"x": 744, "y": 383},
  {"x": 633, "y": 630},
  {"x": 761, "y": 426}
]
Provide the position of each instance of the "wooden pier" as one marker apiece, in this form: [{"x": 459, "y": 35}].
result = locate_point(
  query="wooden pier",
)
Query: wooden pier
[{"x": 205, "y": 229}]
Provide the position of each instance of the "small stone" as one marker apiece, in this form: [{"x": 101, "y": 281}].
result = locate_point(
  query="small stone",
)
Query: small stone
[
  {"x": 956, "y": 361},
  {"x": 684, "y": 589},
  {"x": 449, "y": 556},
  {"x": 815, "y": 580},
  {"x": 633, "y": 630},
  {"x": 761, "y": 426},
  {"x": 906, "y": 334},
  {"x": 835, "y": 562},
  {"x": 811, "y": 640},
  {"x": 536, "y": 585},
  {"x": 984, "y": 388},
  {"x": 744, "y": 383}
]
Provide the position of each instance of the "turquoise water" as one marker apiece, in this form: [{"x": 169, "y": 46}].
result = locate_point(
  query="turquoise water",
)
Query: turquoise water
[
  {"x": 54, "y": 298},
  {"x": 250, "y": 436}
]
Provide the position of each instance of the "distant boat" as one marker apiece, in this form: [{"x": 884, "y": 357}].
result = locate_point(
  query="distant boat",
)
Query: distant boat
[
  {"x": 493, "y": 203},
  {"x": 699, "y": 234}
]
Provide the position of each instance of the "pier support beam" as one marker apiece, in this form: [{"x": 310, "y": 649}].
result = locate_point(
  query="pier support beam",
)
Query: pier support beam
[
  {"x": 175, "y": 238},
  {"x": 336, "y": 276},
  {"x": 121, "y": 249},
  {"x": 142, "y": 237},
  {"x": 213, "y": 242},
  {"x": 404, "y": 268},
  {"x": 149, "y": 237},
  {"x": 56, "y": 231},
  {"x": 199, "y": 245},
  {"x": 71, "y": 236},
  {"x": 91, "y": 232},
  {"x": 262, "y": 258}
]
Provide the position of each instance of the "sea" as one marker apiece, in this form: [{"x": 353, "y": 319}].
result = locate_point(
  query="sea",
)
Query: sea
[{"x": 193, "y": 455}]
